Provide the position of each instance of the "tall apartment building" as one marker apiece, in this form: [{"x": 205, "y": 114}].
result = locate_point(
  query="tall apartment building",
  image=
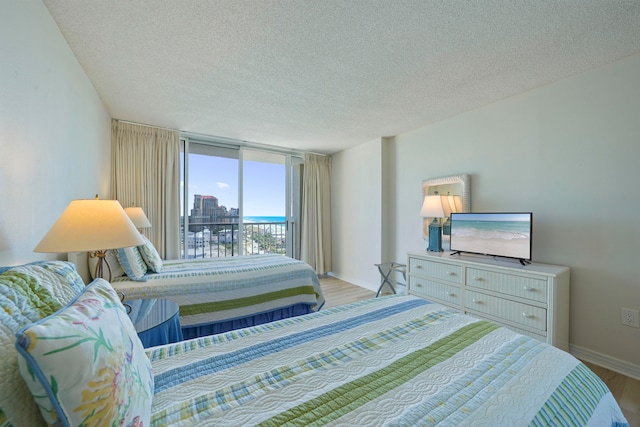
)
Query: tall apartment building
[{"x": 206, "y": 210}]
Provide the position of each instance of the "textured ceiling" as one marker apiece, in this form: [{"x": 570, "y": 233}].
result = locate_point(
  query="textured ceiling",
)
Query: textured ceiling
[{"x": 323, "y": 75}]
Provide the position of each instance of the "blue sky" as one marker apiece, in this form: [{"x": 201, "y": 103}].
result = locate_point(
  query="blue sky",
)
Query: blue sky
[{"x": 264, "y": 184}]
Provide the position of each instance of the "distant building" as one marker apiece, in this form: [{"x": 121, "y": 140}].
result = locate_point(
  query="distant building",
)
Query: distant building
[{"x": 206, "y": 210}]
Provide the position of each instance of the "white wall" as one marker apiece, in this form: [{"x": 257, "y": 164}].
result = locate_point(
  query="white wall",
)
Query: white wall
[
  {"x": 356, "y": 214},
  {"x": 569, "y": 153},
  {"x": 55, "y": 133}
]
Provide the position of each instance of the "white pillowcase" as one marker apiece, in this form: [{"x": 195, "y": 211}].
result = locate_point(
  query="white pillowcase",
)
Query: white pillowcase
[
  {"x": 150, "y": 255},
  {"x": 85, "y": 364},
  {"x": 132, "y": 263}
]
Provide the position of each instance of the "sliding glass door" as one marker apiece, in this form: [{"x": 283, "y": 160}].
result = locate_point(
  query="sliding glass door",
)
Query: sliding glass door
[
  {"x": 264, "y": 191},
  {"x": 209, "y": 195},
  {"x": 237, "y": 201}
]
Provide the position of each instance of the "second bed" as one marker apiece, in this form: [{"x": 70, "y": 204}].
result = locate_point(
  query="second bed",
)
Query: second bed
[{"x": 223, "y": 294}]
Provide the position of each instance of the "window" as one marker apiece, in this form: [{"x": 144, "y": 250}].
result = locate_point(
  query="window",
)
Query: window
[{"x": 237, "y": 201}]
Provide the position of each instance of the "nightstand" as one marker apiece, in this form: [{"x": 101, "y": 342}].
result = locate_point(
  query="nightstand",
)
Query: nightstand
[{"x": 157, "y": 321}]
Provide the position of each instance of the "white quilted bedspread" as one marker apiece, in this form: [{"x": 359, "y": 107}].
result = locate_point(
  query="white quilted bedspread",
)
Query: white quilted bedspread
[
  {"x": 221, "y": 289},
  {"x": 396, "y": 361}
]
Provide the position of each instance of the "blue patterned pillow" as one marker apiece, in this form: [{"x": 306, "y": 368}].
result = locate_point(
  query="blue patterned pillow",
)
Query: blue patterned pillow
[
  {"x": 150, "y": 255},
  {"x": 85, "y": 364},
  {"x": 132, "y": 263}
]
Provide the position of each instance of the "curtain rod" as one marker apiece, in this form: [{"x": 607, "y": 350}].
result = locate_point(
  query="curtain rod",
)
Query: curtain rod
[
  {"x": 234, "y": 141},
  {"x": 146, "y": 125}
]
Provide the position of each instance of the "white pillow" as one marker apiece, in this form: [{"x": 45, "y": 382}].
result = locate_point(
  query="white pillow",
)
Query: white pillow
[
  {"x": 85, "y": 364},
  {"x": 150, "y": 255},
  {"x": 132, "y": 263},
  {"x": 112, "y": 259}
]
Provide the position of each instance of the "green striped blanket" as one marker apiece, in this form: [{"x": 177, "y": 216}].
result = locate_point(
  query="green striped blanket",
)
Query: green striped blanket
[
  {"x": 211, "y": 291},
  {"x": 396, "y": 361}
]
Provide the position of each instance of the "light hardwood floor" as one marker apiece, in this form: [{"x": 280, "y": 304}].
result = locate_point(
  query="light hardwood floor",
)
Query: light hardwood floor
[{"x": 625, "y": 390}]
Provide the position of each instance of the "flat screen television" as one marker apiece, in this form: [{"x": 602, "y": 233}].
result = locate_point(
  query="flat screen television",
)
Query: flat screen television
[{"x": 503, "y": 234}]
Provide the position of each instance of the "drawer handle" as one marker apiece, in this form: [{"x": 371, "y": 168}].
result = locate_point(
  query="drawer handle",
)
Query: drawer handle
[
  {"x": 450, "y": 294},
  {"x": 528, "y": 316},
  {"x": 418, "y": 266},
  {"x": 451, "y": 273},
  {"x": 526, "y": 288},
  {"x": 479, "y": 279},
  {"x": 418, "y": 285},
  {"x": 477, "y": 301}
]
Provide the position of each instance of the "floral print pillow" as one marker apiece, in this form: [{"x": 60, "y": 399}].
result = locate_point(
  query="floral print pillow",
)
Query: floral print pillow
[{"x": 85, "y": 364}]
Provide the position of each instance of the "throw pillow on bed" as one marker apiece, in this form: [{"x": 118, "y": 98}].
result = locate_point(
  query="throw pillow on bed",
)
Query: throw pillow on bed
[
  {"x": 85, "y": 364},
  {"x": 132, "y": 263},
  {"x": 150, "y": 255}
]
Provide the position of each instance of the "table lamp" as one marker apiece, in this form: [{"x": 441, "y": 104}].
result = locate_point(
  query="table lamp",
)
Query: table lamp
[
  {"x": 432, "y": 208},
  {"x": 93, "y": 226},
  {"x": 451, "y": 204},
  {"x": 138, "y": 217}
]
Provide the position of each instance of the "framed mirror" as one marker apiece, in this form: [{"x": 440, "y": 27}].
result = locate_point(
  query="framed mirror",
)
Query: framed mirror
[{"x": 455, "y": 185}]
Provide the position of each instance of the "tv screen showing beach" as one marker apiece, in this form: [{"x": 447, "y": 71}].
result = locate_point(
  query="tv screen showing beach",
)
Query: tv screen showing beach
[{"x": 499, "y": 234}]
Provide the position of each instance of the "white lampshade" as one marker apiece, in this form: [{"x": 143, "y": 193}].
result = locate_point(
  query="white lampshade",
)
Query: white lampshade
[
  {"x": 91, "y": 225},
  {"x": 138, "y": 217},
  {"x": 432, "y": 207}
]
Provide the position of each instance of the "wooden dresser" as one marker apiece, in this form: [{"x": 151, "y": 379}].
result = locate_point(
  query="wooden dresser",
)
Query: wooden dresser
[{"x": 531, "y": 299}]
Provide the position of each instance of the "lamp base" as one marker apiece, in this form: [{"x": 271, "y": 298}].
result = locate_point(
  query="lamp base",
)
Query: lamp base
[
  {"x": 446, "y": 227},
  {"x": 101, "y": 255},
  {"x": 435, "y": 237}
]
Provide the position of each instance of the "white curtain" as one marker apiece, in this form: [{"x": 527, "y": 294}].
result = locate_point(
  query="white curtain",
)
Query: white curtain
[
  {"x": 316, "y": 213},
  {"x": 145, "y": 165}
]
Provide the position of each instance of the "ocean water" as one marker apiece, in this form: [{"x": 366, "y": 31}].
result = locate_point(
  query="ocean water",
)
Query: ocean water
[
  {"x": 505, "y": 230},
  {"x": 259, "y": 219}
]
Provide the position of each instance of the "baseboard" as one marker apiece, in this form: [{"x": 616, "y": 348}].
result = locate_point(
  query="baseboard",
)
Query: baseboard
[
  {"x": 401, "y": 289},
  {"x": 625, "y": 368},
  {"x": 355, "y": 282}
]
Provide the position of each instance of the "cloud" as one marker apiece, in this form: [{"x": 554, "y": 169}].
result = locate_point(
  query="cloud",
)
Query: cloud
[{"x": 222, "y": 185}]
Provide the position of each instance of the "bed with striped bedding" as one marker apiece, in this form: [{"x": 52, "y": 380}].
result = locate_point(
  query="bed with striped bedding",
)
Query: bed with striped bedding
[
  {"x": 396, "y": 360},
  {"x": 222, "y": 294}
]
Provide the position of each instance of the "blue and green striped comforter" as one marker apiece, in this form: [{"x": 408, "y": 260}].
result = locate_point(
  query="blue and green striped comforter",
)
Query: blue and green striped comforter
[
  {"x": 396, "y": 360},
  {"x": 211, "y": 291}
]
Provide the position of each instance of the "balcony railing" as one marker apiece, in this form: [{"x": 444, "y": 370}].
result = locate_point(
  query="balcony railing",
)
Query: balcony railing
[{"x": 215, "y": 240}]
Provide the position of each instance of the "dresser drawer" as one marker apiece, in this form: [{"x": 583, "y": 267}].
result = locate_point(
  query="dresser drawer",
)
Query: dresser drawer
[
  {"x": 522, "y": 314},
  {"x": 429, "y": 289},
  {"x": 437, "y": 270},
  {"x": 509, "y": 284}
]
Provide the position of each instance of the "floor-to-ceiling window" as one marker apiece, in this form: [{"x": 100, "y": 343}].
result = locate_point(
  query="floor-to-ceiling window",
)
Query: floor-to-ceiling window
[
  {"x": 210, "y": 201},
  {"x": 264, "y": 202},
  {"x": 237, "y": 200}
]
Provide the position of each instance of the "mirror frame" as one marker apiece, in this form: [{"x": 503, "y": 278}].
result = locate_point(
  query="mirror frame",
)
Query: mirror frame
[{"x": 463, "y": 179}]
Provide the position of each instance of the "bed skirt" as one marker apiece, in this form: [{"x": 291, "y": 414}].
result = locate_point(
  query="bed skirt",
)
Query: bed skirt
[{"x": 202, "y": 330}]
